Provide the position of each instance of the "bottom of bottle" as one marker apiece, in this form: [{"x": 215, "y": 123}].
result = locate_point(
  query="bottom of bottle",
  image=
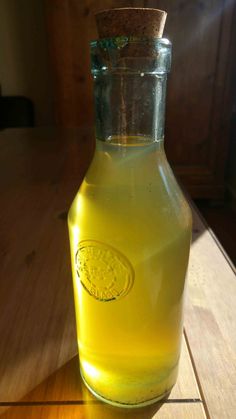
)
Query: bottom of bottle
[{"x": 130, "y": 404}]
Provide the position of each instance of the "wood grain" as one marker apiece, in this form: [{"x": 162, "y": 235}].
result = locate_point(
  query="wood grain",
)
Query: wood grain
[
  {"x": 65, "y": 384},
  {"x": 37, "y": 314},
  {"x": 199, "y": 101},
  {"x": 41, "y": 170},
  {"x": 167, "y": 411},
  {"x": 210, "y": 322},
  {"x": 71, "y": 26},
  {"x": 37, "y": 352}
]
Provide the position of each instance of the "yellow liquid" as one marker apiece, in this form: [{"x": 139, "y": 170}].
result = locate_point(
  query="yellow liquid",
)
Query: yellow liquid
[{"x": 129, "y": 215}]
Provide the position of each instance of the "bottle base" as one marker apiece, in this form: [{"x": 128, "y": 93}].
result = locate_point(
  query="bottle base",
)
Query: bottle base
[{"x": 127, "y": 405}]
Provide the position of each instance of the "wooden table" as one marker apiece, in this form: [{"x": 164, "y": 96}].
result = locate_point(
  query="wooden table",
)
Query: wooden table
[{"x": 41, "y": 170}]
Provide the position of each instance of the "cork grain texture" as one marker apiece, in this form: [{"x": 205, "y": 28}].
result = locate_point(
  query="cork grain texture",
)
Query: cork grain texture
[{"x": 130, "y": 21}]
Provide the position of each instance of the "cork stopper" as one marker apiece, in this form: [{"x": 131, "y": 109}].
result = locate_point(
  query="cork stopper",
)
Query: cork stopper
[{"x": 131, "y": 21}]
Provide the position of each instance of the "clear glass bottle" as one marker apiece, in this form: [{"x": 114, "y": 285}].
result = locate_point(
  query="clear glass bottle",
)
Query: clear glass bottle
[{"x": 130, "y": 229}]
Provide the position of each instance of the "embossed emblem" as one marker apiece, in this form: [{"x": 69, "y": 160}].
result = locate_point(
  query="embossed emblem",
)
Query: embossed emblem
[{"x": 104, "y": 272}]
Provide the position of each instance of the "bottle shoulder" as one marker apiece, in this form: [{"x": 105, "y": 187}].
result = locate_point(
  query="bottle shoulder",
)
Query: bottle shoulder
[{"x": 154, "y": 198}]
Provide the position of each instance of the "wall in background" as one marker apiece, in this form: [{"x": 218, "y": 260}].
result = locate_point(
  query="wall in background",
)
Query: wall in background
[
  {"x": 199, "y": 93},
  {"x": 24, "y": 62},
  {"x": 231, "y": 164}
]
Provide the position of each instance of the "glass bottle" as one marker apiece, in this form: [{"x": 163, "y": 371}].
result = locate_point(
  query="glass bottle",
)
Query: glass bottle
[{"x": 130, "y": 229}]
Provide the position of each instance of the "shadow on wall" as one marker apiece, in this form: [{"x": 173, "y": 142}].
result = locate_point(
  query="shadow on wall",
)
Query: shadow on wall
[
  {"x": 24, "y": 69},
  {"x": 231, "y": 166}
]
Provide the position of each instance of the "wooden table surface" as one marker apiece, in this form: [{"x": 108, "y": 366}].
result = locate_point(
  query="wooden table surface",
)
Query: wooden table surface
[{"x": 41, "y": 170}]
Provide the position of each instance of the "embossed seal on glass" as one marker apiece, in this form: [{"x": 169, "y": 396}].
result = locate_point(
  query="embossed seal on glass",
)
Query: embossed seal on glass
[{"x": 103, "y": 271}]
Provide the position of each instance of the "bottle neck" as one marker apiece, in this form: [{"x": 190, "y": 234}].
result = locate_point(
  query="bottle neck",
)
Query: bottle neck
[
  {"x": 130, "y": 88},
  {"x": 130, "y": 107}
]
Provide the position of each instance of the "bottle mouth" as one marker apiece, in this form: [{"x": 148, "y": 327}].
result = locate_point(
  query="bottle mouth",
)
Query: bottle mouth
[{"x": 129, "y": 54}]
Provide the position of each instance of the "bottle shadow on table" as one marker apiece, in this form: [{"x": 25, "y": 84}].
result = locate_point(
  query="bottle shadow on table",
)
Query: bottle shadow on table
[{"x": 64, "y": 394}]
